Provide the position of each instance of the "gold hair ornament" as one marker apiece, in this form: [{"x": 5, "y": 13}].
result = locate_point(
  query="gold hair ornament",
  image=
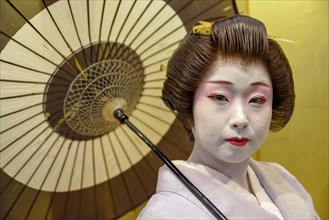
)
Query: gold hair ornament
[
  {"x": 163, "y": 68},
  {"x": 276, "y": 38},
  {"x": 204, "y": 28}
]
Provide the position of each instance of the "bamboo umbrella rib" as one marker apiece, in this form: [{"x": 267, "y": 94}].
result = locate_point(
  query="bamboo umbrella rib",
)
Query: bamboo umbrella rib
[
  {"x": 154, "y": 106},
  {"x": 24, "y": 134},
  {"x": 153, "y": 116},
  {"x": 145, "y": 28},
  {"x": 67, "y": 176},
  {"x": 56, "y": 25},
  {"x": 100, "y": 166},
  {"x": 31, "y": 94},
  {"x": 30, "y": 82},
  {"x": 88, "y": 164},
  {"x": 152, "y": 73},
  {"x": 89, "y": 34},
  {"x": 82, "y": 171},
  {"x": 35, "y": 29},
  {"x": 157, "y": 62},
  {"x": 119, "y": 166},
  {"x": 148, "y": 126},
  {"x": 149, "y": 36},
  {"x": 11, "y": 203},
  {"x": 152, "y": 88},
  {"x": 182, "y": 25},
  {"x": 70, "y": 180},
  {"x": 151, "y": 128},
  {"x": 151, "y": 96},
  {"x": 40, "y": 189},
  {"x": 94, "y": 175},
  {"x": 130, "y": 162},
  {"x": 18, "y": 154},
  {"x": 170, "y": 33},
  {"x": 34, "y": 70},
  {"x": 16, "y": 116},
  {"x": 152, "y": 121},
  {"x": 159, "y": 28},
  {"x": 39, "y": 55},
  {"x": 122, "y": 26},
  {"x": 15, "y": 201},
  {"x": 47, "y": 174},
  {"x": 78, "y": 35},
  {"x": 25, "y": 147},
  {"x": 17, "y": 139},
  {"x": 22, "y": 86},
  {"x": 60, "y": 32},
  {"x": 19, "y": 96},
  {"x": 100, "y": 29},
  {"x": 109, "y": 34},
  {"x": 128, "y": 135},
  {"x": 20, "y": 110},
  {"x": 108, "y": 177},
  {"x": 93, "y": 160},
  {"x": 94, "y": 26},
  {"x": 21, "y": 122},
  {"x": 154, "y": 80},
  {"x": 76, "y": 31},
  {"x": 25, "y": 67},
  {"x": 132, "y": 28},
  {"x": 175, "y": 44}
]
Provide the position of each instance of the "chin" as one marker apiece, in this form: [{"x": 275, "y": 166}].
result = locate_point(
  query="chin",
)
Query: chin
[{"x": 234, "y": 159}]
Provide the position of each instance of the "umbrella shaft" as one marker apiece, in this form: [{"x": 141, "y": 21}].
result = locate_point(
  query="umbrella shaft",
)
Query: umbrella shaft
[{"x": 202, "y": 198}]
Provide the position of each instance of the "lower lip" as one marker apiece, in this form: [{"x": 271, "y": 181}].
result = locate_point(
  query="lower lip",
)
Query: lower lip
[{"x": 238, "y": 143}]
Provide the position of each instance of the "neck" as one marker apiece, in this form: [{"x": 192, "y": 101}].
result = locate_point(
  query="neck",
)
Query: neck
[{"x": 235, "y": 171}]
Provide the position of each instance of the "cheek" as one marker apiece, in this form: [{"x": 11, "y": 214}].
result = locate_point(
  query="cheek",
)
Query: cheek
[
  {"x": 206, "y": 124},
  {"x": 262, "y": 122}
]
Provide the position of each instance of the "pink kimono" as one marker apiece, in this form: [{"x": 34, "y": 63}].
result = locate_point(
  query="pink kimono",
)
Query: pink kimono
[{"x": 278, "y": 194}]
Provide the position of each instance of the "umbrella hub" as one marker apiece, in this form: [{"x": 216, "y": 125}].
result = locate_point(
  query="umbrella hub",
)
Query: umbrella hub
[
  {"x": 97, "y": 91},
  {"x": 112, "y": 105},
  {"x": 82, "y": 84}
]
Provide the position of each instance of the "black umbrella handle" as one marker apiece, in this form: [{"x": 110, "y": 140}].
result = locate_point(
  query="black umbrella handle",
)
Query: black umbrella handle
[{"x": 119, "y": 114}]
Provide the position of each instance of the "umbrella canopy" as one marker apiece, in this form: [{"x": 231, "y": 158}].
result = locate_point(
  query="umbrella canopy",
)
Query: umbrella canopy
[{"x": 64, "y": 65}]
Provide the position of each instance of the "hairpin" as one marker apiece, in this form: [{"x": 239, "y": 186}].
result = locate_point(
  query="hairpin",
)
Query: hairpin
[
  {"x": 203, "y": 28},
  {"x": 276, "y": 38},
  {"x": 163, "y": 68}
]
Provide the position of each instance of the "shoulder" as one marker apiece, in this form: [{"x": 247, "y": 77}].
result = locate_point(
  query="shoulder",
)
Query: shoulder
[
  {"x": 277, "y": 176},
  {"x": 172, "y": 200},
  {"x": 279, "y": 172},
  {"x": 272, "y": 168},
  {"x": 170, "y": 205}
]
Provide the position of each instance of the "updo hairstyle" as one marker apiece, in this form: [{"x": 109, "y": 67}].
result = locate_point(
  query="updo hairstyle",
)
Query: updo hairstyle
[{"x": 237, "y": 38}]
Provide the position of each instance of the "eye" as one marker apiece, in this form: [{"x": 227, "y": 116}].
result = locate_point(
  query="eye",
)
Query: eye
[
  {"x": 218, "y": 97},
  {"x": 260, "y": 100}
]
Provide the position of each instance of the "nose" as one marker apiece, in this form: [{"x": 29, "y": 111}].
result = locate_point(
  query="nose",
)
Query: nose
[{"x": 239, "y": 117}]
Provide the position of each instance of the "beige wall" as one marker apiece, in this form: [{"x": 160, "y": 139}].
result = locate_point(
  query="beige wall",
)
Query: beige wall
[{"x": 302, "y": 147}]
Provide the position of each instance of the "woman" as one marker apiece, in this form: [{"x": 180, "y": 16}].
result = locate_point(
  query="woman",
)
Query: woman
[{"x": 229, "y": 86}]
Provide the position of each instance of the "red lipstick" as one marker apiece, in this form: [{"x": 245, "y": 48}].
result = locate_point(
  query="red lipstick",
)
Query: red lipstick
[{"x": 239, "y": 142}]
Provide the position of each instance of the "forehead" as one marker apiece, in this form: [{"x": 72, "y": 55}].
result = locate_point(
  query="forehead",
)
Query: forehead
[{"x": 238, "y": 71}]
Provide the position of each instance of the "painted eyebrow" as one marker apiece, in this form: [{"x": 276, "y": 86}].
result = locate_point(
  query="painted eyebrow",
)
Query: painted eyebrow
[
  {"x": 230, "y": 83},
  {"x": 219, "y": 82},
  {"x": 259, "y": 84}
]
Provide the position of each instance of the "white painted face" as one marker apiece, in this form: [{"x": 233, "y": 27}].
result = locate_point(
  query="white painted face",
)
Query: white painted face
[{"x": 232, "y": 111}]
